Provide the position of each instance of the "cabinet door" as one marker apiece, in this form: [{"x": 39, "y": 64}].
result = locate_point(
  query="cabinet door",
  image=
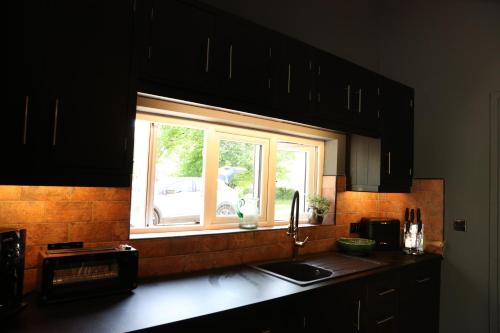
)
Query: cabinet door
[
  {"x": 364, "y": 100},
  {"x": 24, "y": 68},
  {"x": 397, "y": 137},
  {"x": 295, "y": 90},
  {"x": 419, "y": 309},
  {"x": 181, "y": 45},
  {"x": 243, "y": 56},
  {"x": 90, "y": 104},
  {"x": 331, "y": 92},
  {"x": 382, "y": 299}
]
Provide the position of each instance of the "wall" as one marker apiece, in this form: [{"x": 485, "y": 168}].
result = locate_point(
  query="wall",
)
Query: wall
[
  {"x": 100, "y": 217},
  {"x": 426, "y": 194},
  {"x": 344, "y": 28},
  {"x": 450, "y": 52}
]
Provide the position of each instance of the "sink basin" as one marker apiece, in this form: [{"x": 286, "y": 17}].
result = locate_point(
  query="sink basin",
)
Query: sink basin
[{"x": 295, "y": 271}]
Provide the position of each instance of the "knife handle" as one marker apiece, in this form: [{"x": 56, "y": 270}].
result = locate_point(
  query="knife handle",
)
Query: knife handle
[
  {"x": 412, "y": 215},
  {"x": 419, "y": 219},
  {"x": 407, "y": 214}
]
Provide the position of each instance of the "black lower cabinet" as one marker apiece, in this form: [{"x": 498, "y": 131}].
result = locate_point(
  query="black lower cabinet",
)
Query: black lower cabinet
[{"x": 402, "y": 299}]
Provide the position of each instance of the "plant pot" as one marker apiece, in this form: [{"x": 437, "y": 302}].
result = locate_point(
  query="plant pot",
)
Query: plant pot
[{"x": 313, "y": 217}]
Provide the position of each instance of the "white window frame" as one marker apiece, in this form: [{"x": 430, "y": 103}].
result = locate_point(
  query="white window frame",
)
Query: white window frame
[{"x": 214, "y": 132}]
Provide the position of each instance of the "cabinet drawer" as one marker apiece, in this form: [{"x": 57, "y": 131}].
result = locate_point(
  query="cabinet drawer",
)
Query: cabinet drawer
[{"x": 383, "y": 295}]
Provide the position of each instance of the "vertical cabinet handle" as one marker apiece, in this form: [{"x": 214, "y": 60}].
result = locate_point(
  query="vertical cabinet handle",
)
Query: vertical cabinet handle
[
  {"x": 389, "y": 163},
  {"x": 319, "y": 97},
  {"x": 56, "y": 115},
  {"x": 360, "y": 93},
  {"x": 310, "y": 95},
  {"x": 207, "y": 62},
  {"x": 230, "y": 61},
  {"x": 25, "y": 125},
  {"x": 358, "y": 318},
  {"x": 348, "y": 97},
  {"x": 289, "y": 76},
  {"x": 386, "y": 292}
]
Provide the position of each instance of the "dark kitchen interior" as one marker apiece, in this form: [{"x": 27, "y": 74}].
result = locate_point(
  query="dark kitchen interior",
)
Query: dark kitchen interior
[{"x": 251, "y": 166}]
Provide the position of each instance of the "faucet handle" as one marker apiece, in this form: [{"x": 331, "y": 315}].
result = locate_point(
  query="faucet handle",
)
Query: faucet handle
[{"x": 302, "y": 243}]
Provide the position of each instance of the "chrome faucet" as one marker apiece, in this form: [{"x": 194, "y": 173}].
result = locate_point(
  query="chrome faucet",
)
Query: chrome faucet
[{"x": 293, "y": 227}]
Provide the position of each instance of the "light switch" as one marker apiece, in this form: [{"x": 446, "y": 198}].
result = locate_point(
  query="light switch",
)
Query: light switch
[{"x": 460, "y": 225}]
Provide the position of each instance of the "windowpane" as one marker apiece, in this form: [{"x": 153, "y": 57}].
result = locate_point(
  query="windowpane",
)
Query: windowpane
[
  {"x": 239, "y": 174},
  {"x": 178, "y": 182},
  {"x": 291, "y": 175}
]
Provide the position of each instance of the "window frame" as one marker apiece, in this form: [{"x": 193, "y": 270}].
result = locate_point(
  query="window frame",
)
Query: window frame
[{"x": 215, "y": 131}]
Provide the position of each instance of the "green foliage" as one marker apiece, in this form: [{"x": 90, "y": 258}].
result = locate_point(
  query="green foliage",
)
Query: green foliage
[
  {"x": 283, "y": 193},
  {"x": 321, "y": 204},
  {"x": 284, "y": 159},
  {"x": 239, "y": 154}
]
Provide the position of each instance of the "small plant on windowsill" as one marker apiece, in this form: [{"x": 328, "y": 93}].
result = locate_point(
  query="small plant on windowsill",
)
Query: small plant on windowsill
[{"x": 318, "y": 208}]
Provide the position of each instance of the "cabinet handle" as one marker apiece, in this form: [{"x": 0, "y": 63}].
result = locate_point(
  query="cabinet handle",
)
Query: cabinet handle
[
  {"x": 380, "y": 322},
  {"x": 56, "y": 115},
  {"x": 230, "y": 61},
  {"x": 25, "y": 127},
  {"x": 310, "y": 95},
  {"x": 270, "y": 52},
  {"x": 208, "y": 55},
  {"x": 348, "y": 97},
  {"x": 289, "y": 76},
  {"x": 427, "y": 279},
  {"x": 358, "y": 319},
  {"x": 360, "y": 92},
  {"x": 269, "y": 83},
  {"x": 319, "y": 70},
  {"x": 385, "y": 292},
  {"x": 319, "y": 97},
  {"x": 389, "y": 163}
]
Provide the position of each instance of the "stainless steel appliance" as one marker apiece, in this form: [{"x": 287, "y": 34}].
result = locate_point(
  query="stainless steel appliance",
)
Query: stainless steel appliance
[
  {"x": 85, "y": 272},
  {"x": 12, "y": 245}
]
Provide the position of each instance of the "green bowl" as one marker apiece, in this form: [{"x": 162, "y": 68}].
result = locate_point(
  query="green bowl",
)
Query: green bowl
[{"x": 358, "y": 246}]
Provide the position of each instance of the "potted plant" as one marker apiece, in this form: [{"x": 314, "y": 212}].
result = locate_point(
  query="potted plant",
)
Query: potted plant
[{"x": 318, "y": 208}]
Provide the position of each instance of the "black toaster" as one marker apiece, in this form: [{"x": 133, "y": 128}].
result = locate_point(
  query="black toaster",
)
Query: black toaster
[{"x": 385, "y": 232}]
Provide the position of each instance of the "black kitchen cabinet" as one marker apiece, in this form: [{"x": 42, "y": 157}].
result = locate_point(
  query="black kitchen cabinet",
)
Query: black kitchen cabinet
[
  {"x": 294, "y": 92},
  {"x": 78, "y": 98},
  {"x": 24, "y": 68},
  {"x": 396, "y": 108},
  {"x": 179, "y": 45},
  {"x": 419, "y": 300},
  {"x": 382, "y": 303}
]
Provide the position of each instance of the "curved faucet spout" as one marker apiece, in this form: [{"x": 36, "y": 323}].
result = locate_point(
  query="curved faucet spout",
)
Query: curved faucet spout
[{"x": 293, "y": 228}]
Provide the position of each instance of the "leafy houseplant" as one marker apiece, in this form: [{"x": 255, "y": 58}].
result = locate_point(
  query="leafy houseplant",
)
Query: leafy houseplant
[{"x": 318, "y": 208}]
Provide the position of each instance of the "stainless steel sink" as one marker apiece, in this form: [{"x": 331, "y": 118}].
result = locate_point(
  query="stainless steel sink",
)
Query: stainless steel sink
[
  {"x": 295, "y": 271},
  {"x": 317, "y": 268}
]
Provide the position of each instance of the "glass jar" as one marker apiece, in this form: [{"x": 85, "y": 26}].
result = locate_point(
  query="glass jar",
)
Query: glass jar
[{"x": 248, "y": 213}]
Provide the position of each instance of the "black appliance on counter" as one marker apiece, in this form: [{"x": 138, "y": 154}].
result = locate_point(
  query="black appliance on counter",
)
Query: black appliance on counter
[
  {"x": 85, "y": 272},
  {"x": 12, "y": 245},
  {"x": 385, "y": 232}
]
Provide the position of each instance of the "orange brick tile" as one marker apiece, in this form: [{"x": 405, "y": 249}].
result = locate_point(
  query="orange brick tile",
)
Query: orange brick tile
[
  {"x": 184, "y": 245},
  {"x": 117, "y": 193},
  {"x": 160, "y": 266},
  {"x": 33, "y": 256},
  {"x": 90, "y": 232},
  {"x": 267, "y": 252},
  {"x": 32, "y": 280},
  {"x": 316, "y": 246},
  {"x": 240, "y": 240},
  {"x": 110, "y": 211},
  {"x": 436, "y": 185},
  {"x": 45, "y": 193},
  {"x": 88, "y": 194},
  {"x": 266, "y": 237},
  {"x": 211, "y": 243},
  {"x": 151, "y": 248},
  {"x": 12, "y": 212},
  {"x": 341, "y": 183},
  {"x": 68, "y": 211},
  {"x": 46, "y": 233},
  {"x": 342, "y": 231},
  {"x": 121, "y": 230},
  {"x": 10, "y": 193},
  {"x": 329, "y": 182},
  {"x": 347, "y": 218}
]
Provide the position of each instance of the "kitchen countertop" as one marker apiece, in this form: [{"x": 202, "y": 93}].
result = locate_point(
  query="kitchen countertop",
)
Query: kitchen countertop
[{"x": 172, "y": 299}]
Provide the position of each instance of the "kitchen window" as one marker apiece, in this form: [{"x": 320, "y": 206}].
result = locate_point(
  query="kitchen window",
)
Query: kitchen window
[{"x": 191, "y": 174}]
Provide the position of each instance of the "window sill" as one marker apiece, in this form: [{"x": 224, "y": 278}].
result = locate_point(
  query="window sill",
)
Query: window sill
[{"x": 211, "y": 232}]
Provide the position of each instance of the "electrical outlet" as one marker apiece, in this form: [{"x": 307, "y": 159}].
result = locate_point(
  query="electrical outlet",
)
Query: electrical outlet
[
  {"x": 354, "y": 228},
  {"x": 460, "y": 225}
]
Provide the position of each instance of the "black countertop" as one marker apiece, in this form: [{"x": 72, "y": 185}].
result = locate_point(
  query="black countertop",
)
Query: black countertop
[{"x": 162, "y": 301}]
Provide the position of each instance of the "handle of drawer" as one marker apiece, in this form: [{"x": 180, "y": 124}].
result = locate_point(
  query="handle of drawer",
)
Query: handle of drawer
[
  {"x": 385, "y": 292},
  {"x": 385, "y": 320},
  {"x": 427, "y": 279}
]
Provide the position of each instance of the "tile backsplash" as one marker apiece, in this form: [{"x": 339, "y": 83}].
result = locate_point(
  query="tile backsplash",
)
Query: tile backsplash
[{"x": 100, "y": 217}]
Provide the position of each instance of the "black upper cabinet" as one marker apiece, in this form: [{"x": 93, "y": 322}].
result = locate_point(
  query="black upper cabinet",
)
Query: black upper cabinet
[
  {"x": 88, "y": 77},
  {"x": 180, "y": 45},
  {"x": 397, "y": 136},
  {"x": 294, "y": 91},
  {"x": 25, "y": 49},
  {"x": 243, "y": 56},
  {"x": 71, "y": 96}
]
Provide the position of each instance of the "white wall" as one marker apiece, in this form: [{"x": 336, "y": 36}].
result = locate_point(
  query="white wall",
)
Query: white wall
[{"x": 449, "y": 51}]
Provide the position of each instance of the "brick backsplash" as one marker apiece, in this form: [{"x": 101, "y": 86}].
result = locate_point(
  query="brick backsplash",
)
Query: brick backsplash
[{"x": 100, "y": 217}]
